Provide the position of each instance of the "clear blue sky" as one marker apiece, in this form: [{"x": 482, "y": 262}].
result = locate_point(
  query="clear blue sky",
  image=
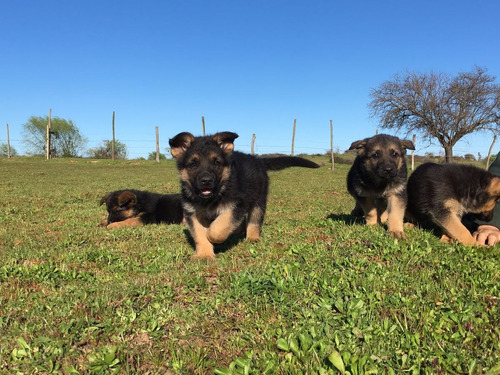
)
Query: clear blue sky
[{"x": 246, "y": 66}]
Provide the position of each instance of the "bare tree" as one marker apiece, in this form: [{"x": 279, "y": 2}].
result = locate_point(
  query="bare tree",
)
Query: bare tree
[{"x": 439, "y": 106}]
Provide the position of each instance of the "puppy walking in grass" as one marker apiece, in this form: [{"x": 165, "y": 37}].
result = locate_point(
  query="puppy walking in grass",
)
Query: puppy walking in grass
[
  {"x": 377, "y": 180},
  {"x": 223, "y": 191},
  {"x": 443, "y": 193}
]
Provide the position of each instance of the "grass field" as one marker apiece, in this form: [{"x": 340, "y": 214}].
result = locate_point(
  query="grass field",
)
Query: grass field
[{"x": 319, "y": 294}]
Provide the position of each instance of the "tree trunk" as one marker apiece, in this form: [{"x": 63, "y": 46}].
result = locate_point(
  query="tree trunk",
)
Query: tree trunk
[{"x": 448, "y": 153}]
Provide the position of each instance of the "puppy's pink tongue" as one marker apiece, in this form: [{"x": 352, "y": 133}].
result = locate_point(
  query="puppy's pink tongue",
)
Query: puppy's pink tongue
[{"x": 206, "y": 192}]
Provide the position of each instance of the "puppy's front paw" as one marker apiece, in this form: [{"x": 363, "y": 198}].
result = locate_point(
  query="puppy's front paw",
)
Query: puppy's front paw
[
  {"x": 205, "y": 252},
  {"x": 399, "y": 235},
  {"x": 103, "y": 223},
  {"x": 203, "y": 256}
]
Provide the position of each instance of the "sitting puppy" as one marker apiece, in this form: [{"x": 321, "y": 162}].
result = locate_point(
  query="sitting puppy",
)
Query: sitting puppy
[
  {"x": 377, "y": 180},
  {"x": 132, "y": 208},
  {"x": 443, "y": 193}
]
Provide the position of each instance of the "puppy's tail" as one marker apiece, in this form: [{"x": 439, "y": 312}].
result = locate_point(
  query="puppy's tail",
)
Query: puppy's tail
[{"x": 281, "y": 162}]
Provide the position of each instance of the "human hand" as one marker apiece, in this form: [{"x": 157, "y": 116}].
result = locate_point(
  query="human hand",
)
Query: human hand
[{"x": 487, "y": 235}]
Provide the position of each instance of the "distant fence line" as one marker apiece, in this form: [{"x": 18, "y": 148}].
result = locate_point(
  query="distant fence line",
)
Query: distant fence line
[
  {"x": 136, "y": 150},
  {"x": 144, "y": 146}
]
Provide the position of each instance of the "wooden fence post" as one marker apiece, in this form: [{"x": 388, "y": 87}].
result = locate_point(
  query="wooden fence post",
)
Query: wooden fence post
[
  {"x": 253, "y": 143},
  {"x": 203, "y": 124},
  {"x": 113, "y": 141},
  {"x": 489, "y": 151},
  {"x": 8, "y": 142},
  {"x": 331, "y": 144},
  {"x": 157, "y": 145},
  {"x": 48, "y": 135},
  {"x": 413, "y": 153},
  {"x": 293, "y": 135}
]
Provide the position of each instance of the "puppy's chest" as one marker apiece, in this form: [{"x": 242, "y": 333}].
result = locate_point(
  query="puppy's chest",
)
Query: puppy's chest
[
  {"x": 206, "y": 214},
  {"x": 381, "y": 190}
]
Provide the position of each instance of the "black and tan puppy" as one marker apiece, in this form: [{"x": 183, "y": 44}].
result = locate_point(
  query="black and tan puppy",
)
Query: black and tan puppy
[
  {"x": 377, "y": 180},
  {"x": 443, "y": 193},
  {"x": 132, "y": 208},
  {"x": 222, "y": 189}
]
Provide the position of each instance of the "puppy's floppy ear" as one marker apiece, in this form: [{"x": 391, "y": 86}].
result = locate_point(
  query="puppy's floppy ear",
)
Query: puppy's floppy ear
[
  {"x": 359, "y": 146},
  {"x": 105, "y": 198},
  {"x": 180, "y": 143},
  {"x": 225, "y": 141},
  {"x": 127, "y": 198},
  {"x": 408, "y": 145}
]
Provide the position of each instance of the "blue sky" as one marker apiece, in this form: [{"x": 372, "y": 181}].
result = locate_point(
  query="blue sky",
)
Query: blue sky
[{"x": 246, "y": 66}]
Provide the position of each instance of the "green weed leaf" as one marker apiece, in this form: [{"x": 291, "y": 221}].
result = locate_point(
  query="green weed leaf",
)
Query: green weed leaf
[{"x": 336, "y": 360}]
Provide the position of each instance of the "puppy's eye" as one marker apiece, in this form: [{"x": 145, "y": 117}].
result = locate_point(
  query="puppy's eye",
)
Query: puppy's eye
[
  {"x": 375, "y": 155},
  {"x": 395, "y": 154},
  {"x": 217, "y": 162},
  {"x": 192, "y": 164}
]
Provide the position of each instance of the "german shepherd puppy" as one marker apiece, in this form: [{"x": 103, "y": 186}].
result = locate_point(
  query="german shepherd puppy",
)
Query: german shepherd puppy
[
  {"x": 443, "y": 193},
  {"x": 377, "y": 180},
  {"x": 132, "y": 208},
  {"x": 223, "y": 190}
]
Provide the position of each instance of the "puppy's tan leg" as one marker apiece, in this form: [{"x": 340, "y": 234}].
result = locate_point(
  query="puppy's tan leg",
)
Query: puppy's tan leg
[
  {"x": 454, "y": 228},
  {"x": 254, "y": 224},
  {"x": 383, "y": 216},
  {"x": 127, "y": 223},
  {"x": 445, "y": 238},
  {"x": 396, "y": 212},
  {"x": 382, "y": 210},
  {"x": 204, "y": 249},
  {"x": 221, "y": 227},
  {"x": 370, "y": 210}
]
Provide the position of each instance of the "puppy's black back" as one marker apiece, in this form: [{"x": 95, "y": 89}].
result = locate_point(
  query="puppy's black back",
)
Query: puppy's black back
[
  {"x": 160, "y": 208},
  {"x": 248, "y": 181}
]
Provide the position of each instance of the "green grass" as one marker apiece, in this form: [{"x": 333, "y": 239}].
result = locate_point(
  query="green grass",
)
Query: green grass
[{"x": 319, "y": 294}]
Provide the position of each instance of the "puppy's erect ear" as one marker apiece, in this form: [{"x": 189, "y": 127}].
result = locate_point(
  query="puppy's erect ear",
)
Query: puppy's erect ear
[
  {"x": 359, "y": 146},
  {"x": 408, "y": 145},
  {"x": 105, "y": 199},
  {"x": 225, "y": 141},
  {"x": 180, "y": 143},
  {"x": 127, "y": 198}
]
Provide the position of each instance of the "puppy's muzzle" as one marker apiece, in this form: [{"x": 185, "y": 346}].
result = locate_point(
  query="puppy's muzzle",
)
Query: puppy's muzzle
[
  {"x": 387, "y": 171},
  {"x": 205, "y": 182}
]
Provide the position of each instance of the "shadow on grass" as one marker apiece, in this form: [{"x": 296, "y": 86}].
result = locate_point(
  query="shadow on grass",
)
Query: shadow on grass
[
  {"x": 228, "y": 244},
  {"x": 348, "y": 219}
]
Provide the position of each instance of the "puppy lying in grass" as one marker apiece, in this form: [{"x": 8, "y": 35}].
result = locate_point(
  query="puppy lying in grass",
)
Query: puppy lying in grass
[{"x": 132, "y": 208}]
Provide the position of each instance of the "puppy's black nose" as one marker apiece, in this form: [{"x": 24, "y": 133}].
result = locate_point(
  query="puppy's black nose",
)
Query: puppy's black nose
[{"x": 206, "y": 181}]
